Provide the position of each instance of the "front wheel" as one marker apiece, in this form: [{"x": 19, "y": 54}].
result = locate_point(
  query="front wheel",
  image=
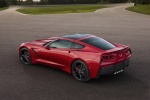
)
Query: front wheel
[
  {"x": 25, "y": 56},
  {"x": 80, "y": 71}
]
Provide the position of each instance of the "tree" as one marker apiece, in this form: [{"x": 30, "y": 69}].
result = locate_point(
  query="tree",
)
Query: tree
[
  {"x": 14, "y": 2},
  {"x": 43, "y": 2},
  {"x": 4, "y": 3},
  {"x": 29, "y": 2},
  {"x": 141, "y": 1}
]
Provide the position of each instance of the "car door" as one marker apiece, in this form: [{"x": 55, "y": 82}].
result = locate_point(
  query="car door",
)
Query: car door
[{"x": 56, "y": 53}]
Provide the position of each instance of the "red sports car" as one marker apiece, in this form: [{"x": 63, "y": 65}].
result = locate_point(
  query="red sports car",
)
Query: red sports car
[{"x": 84, "y": 56}]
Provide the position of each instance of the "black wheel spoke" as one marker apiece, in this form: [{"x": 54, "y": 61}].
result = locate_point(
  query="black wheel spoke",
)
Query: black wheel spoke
[
  {"x": 23, "y": 57},
  {"x": 80, "y": 76},
  {"x": 26, "y": 58},
  {"x": 75, "y": 73}
]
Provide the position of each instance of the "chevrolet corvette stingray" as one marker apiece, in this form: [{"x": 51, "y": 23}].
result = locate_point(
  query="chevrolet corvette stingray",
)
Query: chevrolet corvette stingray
[{"x": 85, "y": 56}]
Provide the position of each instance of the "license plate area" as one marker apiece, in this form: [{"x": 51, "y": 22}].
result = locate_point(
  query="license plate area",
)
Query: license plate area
[{"x": 119, "y": 66}]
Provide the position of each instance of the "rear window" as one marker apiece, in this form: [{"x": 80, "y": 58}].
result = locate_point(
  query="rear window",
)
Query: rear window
[{"x": 99, "y": 43}]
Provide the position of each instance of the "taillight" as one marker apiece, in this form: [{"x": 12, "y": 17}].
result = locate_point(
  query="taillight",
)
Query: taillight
[
  {"x": 108, "y": 57},
  {"x": 128, "y": 51}
]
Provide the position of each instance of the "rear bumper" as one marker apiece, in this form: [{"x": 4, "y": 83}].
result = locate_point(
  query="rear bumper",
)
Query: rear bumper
[{"x": 114, "y": 68}]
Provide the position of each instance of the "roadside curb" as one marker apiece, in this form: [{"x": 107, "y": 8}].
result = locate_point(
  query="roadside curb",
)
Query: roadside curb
[{"x": 20, "y": 13}]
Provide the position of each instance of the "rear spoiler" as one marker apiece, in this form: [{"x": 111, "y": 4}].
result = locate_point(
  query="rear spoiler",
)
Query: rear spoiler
[{"x": 117, "y": 49}]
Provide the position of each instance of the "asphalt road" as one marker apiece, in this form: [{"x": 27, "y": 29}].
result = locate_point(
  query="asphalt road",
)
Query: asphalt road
[{"x": 36, "y": 82}]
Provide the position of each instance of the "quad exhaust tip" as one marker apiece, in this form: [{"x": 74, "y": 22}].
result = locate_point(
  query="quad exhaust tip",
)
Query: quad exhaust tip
[{"x": 119, "y": 71}]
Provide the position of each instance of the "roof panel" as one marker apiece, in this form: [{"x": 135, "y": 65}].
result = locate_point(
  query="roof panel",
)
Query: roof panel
[{"x": 76, "y": 36}]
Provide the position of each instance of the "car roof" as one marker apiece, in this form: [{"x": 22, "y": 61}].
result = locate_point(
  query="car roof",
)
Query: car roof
[{"x": 77, "y": 36}]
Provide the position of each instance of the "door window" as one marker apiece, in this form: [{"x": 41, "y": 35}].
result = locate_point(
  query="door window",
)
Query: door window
[
  {"x": 77, "y": 46},
  {"x": 61, "y": 44}
]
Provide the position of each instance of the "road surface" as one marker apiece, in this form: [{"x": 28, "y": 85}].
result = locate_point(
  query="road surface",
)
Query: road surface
[{"x": 36, "y": 82}]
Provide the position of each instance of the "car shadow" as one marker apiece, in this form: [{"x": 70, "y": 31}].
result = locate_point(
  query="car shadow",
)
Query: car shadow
[{"x": 42, "y": 71}]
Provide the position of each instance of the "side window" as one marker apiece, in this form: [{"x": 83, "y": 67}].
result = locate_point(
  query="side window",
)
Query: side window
[
  {"x": 61, "y": 44},
  {"x": 77, "y": 46}
]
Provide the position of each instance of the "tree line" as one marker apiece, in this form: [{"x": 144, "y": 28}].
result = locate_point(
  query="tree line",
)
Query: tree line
[
  {"x": 5, "y": 3},
  {"x": 81, "y": 1}
]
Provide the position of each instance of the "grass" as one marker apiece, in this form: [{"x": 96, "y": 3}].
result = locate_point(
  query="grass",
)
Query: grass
[
  {"x": 60, "y": 9},
  {"x": 144, "y": 9},
  {"x": 3, "y": 8}
]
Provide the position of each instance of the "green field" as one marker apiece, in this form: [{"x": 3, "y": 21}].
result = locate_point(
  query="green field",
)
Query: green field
[
  {"x": 144, "y": 9},
  {"x": 60, "y": 9},
  {"x": 3, "y": 8}
]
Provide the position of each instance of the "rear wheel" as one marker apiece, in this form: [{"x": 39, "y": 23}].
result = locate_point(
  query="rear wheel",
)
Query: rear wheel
[
  {"x": 80, "y": 71},
  {"x": 25, "y": 56}
]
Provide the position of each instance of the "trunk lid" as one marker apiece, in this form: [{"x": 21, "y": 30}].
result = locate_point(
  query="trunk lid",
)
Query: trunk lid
[{"x": 115, "y": 55}]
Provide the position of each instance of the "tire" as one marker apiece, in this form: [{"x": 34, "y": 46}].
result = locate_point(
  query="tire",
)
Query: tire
[
  {"x": 80, "y": 71},
  {"x": 25, "y": 56}
]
